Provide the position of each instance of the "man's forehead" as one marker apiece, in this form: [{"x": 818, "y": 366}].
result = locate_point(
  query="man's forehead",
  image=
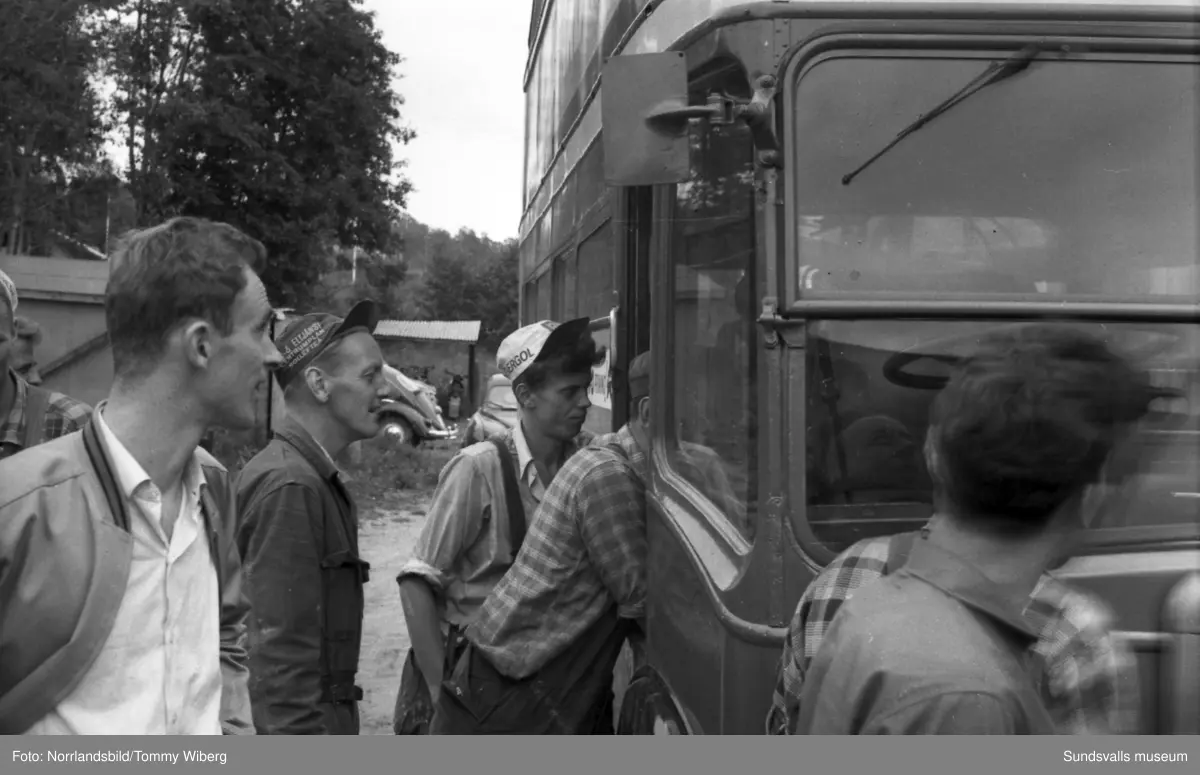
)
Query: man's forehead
[{"x": 254, "y": 295}]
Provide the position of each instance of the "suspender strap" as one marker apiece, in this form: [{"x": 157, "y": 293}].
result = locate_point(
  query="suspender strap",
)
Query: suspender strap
[
  {"x": 37, "y": 401},
  {"x": 104, "y": 472},
  {"x": 512, "y": 495}
]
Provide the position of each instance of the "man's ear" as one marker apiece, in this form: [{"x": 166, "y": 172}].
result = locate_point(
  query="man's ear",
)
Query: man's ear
[
  {"x": 524, "y": 395},
  {"x": 198, "y": 339},
  {"x": 643, "y": 410},
  {"x": 315, "y": 379}
]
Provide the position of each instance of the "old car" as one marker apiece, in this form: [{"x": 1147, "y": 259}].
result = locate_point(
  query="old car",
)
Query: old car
[
  {"x": 497, "y": 412},
  {"x": 411, "y": 413}
]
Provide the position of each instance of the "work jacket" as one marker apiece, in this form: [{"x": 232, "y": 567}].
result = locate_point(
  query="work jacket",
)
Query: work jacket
[{"x": 299, "y": 537}]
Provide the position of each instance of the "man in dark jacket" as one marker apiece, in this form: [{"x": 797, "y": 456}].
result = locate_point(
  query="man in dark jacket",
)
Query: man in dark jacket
[{"x": 299, "y": 529}]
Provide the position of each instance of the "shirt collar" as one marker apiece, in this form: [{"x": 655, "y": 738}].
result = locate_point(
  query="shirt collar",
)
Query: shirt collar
[
  {"x": 298, "y": 436},
  {"x": 524, "y": 456},
  {"x": 964, "y": 582},
  {"x": 129, "y": 473}
]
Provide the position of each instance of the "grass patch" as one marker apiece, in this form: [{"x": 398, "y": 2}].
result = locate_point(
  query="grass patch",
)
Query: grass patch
[{"x": 386, "y": 473}]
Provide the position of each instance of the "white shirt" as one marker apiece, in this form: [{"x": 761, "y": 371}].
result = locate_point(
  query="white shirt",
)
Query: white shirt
[{"x": 159, "y": 672}]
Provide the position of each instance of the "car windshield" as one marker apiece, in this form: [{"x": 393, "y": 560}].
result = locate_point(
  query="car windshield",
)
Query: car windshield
[
  {"x": 501, "y": 397},
  {"x": 1043, "y": 185}
]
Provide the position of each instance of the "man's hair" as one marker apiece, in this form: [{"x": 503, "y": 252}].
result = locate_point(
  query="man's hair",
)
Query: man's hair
[
  {"x": 1028, "y": 421},
  {"x": 162, "y": 277},
  {"x": 573, "y": 359}
]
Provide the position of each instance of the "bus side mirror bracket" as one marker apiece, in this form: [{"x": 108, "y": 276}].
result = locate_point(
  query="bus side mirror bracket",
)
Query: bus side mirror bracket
[{"x": 645, "y": 115}]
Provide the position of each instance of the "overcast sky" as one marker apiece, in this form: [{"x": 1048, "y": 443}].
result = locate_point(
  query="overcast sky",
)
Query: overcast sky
[{"x": 461, "y": 82}]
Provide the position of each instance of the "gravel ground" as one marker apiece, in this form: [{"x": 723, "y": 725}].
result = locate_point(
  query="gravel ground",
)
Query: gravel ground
[{"x": 386, "y": 537}]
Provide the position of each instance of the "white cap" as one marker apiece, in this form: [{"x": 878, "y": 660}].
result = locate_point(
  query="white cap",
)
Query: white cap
[{"x": 522, "y": 348}]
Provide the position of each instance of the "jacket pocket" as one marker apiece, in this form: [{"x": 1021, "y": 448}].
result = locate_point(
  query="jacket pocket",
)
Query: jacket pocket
[{"x": 343, "y": 576}]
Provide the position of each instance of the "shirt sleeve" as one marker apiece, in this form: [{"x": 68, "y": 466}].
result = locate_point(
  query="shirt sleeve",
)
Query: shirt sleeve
[
  {"x": 610, "y": 503},
  {"x": 461, "y": 506},
  {"x": 956, "y": 713},
  {"x": 283, "y": 583}
]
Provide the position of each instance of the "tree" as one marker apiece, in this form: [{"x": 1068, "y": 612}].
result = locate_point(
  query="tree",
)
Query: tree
[
  {"x": 472, "y": 279},
  {"x": 50, "y": 113},
  {"x": 277, "y": 116}
]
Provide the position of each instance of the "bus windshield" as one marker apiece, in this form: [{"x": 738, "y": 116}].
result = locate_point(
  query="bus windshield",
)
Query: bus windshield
[
  {"x": 1043, "y": 184},
  {"x": 1072, "y": 179}
]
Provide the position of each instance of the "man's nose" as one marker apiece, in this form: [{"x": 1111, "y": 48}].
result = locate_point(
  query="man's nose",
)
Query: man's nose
[{"x": 272, "y": 359}]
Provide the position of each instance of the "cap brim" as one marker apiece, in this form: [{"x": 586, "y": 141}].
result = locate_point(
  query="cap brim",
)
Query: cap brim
[
  {"x": 564, "y": 335},
  {"x": 364, "y": 314}
]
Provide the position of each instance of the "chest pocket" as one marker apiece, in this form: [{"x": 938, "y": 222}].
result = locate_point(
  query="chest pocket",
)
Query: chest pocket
[{"x": 343, "y": 574}]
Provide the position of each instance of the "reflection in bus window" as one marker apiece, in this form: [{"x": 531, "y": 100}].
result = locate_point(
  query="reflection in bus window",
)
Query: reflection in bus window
[
  {"x": 1040, "y": 185},
  {"x": 868, "y": 397},
  {"x": 714, "y": 358}
]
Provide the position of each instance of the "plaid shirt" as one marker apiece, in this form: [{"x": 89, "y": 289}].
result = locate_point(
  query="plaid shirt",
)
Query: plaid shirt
[
  {"x": 64, "y": 415},
  {"x": 585, "y": 552},
  {"x": 1088, "y": 682}
]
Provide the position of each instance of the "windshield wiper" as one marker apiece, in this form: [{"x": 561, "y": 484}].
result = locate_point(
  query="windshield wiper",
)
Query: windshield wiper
[{"x": 995, "y": 72}]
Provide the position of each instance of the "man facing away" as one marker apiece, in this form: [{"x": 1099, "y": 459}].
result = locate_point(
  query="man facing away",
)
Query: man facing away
[
  {"x": 541, "y": 652},
  {"x": 29, "y": 414},
  {"x": 1027, "y": 445},
  {"x": 298, "y": 533},
  {"x": 122, "y": 609},
  {"x": 476, "y": 522}
]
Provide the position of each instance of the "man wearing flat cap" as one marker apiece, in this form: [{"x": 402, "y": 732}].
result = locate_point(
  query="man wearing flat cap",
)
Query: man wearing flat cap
[{"x": 299, "y": 529}]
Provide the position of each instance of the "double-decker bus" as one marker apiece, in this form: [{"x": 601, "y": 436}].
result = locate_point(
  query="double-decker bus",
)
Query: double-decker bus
[{"x": 807, "y": 210}]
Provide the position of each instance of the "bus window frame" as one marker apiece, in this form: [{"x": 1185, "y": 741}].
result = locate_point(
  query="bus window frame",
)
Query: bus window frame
[
  {"x": 663, "y": 412},
  {"x": 798, "y": 310}
]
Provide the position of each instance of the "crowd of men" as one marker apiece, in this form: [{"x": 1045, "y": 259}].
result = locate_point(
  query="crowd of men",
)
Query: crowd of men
[{"x": 146, "y": 590}]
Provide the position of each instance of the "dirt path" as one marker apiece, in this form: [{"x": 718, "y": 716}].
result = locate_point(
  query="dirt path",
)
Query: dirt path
[{"x": 386, "y": 537}]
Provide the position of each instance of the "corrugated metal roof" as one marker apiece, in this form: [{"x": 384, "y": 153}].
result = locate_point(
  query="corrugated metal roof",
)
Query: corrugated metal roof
[{"x": 430, "y": 330}]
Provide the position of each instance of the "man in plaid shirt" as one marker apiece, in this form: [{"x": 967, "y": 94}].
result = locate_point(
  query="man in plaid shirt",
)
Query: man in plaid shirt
[
  {"x": 28, "y": 415},
  {"x": 1091, "y": 677},
  {"x": 541, "y": 651}
]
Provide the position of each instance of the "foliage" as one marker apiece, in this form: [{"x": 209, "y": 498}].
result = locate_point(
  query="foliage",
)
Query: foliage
[
  {"x": 472, "y": 278},
  {"x": 277, "y": 116},
  {"x": 51, "y": 119}
]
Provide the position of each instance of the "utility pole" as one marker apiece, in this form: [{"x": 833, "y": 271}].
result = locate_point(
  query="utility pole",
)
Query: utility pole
[{"x": 354, "y": 266}]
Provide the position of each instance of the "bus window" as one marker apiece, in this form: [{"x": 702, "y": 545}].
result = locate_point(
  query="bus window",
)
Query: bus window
[
  {"x": 713, "y": 358},
  {"x": 1041, "y": 185},
  {"x": 594, "y": 291},
  {"x": 870, "y": 387}
]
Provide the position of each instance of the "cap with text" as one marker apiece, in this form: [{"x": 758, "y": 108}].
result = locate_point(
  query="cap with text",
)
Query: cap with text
[
  {"x": 526, "y": 346},
  {"x": 307, "y": 336}
]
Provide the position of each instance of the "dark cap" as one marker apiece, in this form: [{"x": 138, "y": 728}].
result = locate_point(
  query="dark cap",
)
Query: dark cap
[
  {"x": 639, "y": 377},
  {"x": 306, "y": 337}
]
